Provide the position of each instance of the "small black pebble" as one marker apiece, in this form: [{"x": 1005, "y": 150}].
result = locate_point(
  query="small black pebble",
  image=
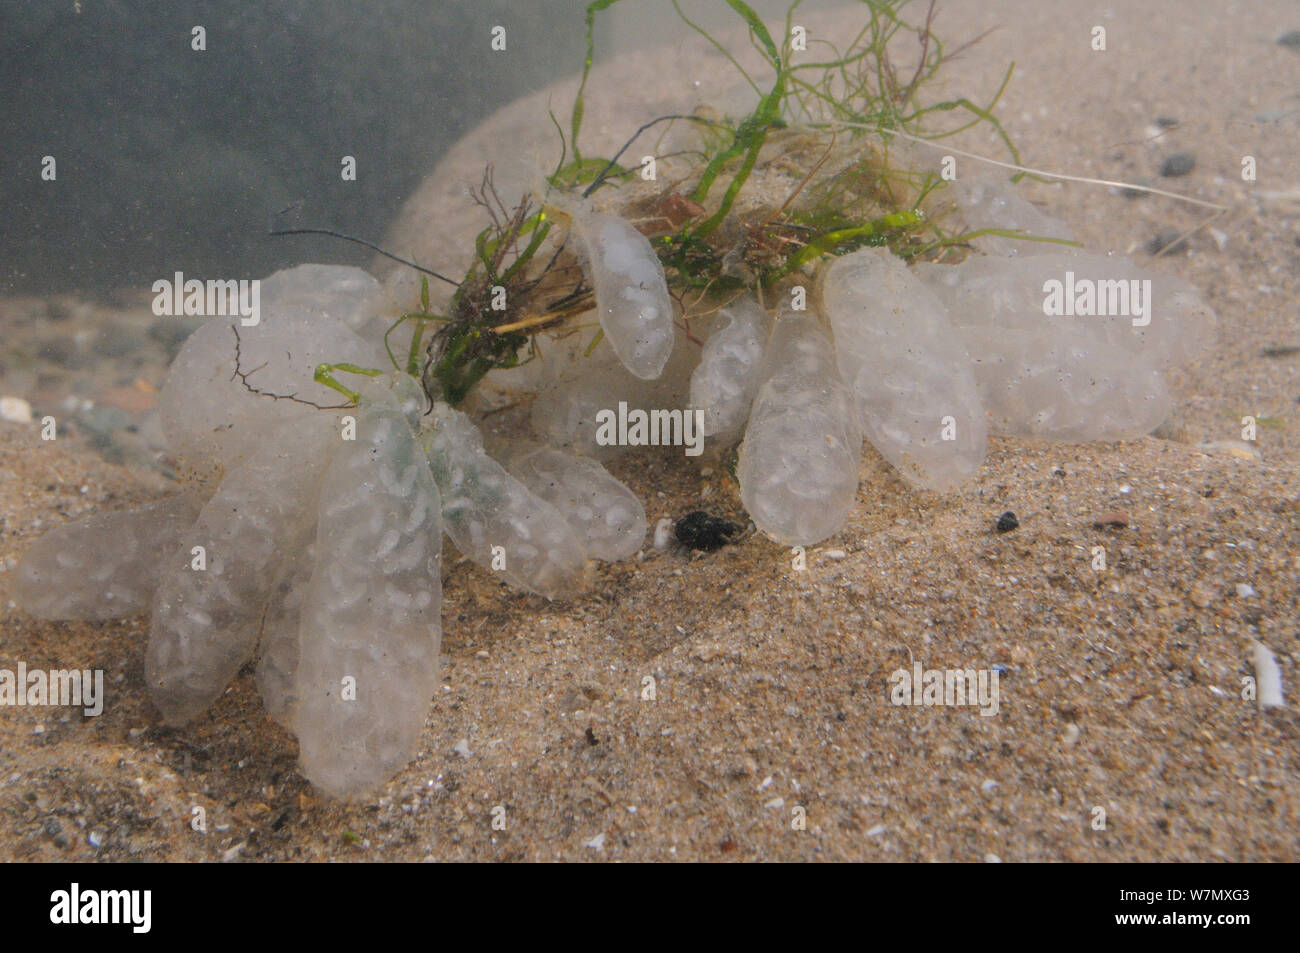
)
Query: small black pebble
[
  {"x": 699, "y": 530},
  {"x": 1291, "y": 40},
  {"x": 1180, "y": 163},
  {"x": 1007, "y": 522},
  {"x": 591, "y": 737}
]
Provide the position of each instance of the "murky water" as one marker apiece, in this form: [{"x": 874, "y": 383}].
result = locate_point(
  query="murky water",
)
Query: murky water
[
  {"x": 148, "y": 139},
  {"x": 144, "y": 140}
]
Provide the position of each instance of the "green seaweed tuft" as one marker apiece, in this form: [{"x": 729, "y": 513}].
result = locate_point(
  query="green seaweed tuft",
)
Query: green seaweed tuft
[{"x": 831, "y": 118}]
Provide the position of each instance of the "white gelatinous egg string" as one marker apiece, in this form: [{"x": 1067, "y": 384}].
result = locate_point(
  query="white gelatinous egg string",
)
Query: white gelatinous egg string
[
  {"x": 724, "y": 383},
  {"x": 798, "y": 467},
  {"x": 632, "y": 299},
  {"x": 322, "y": 557}
]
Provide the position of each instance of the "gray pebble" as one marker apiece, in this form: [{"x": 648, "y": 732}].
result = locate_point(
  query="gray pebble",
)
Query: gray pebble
[
  {"x": 1180, "y": 163},
  {"x": 102, "y": 421}
]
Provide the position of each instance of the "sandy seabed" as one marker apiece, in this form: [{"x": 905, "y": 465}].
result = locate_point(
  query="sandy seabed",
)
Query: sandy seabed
[{"x": 1119, "y": 690}]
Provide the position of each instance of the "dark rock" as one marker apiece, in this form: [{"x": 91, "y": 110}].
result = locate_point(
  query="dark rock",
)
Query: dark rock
[
  {"x": 1180, "y": 163},
  {"x": 100, "y": 425},
  {"x": 1007, "y": 522},
  {"x": 1290, "y": 40},
  {"x": 699, "y": 530}
]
